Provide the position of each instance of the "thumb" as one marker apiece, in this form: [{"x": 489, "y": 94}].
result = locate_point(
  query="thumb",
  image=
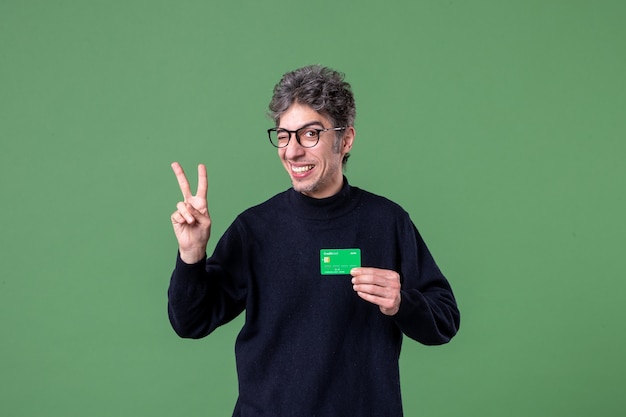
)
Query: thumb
[{"x": 199, "y": 215}]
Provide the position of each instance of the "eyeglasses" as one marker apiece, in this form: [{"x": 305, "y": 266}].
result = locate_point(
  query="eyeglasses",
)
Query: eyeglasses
[{"x": 306, "y": 136}]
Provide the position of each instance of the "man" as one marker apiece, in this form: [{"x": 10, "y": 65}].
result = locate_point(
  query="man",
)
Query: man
[{"x": 330, "y": 276}]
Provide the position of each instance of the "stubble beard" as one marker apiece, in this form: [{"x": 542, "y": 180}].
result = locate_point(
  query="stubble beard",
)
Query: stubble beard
[{"x": 320, "y": 183}]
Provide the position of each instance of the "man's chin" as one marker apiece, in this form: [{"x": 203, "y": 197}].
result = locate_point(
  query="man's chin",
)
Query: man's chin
[{"x": 303, "y": 187}]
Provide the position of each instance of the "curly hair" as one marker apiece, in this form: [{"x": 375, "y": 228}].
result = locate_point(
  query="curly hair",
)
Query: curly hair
[{"x": 321, "y": 88}]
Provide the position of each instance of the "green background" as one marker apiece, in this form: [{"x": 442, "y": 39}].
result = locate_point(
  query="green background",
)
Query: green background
[{"x": 499, "y": 125}]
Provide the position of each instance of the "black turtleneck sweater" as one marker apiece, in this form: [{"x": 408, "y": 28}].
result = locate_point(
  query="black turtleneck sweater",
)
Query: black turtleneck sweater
[{"x": 310, "y": 346}]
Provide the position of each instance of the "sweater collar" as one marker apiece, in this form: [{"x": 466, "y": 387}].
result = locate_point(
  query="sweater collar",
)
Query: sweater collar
[{"x": 324, "y": 208}]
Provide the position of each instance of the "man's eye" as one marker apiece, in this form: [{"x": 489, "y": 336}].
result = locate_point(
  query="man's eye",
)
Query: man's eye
[
  {"x": 309, "y": 133},
  {"x": 282, "y": 135}
]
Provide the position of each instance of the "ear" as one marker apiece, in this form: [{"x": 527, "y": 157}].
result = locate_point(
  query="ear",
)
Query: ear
[{"x": 348, "y": 139}]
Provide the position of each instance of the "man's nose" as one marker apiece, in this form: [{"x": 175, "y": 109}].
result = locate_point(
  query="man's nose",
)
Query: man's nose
[{"x": 293, "y": 148}]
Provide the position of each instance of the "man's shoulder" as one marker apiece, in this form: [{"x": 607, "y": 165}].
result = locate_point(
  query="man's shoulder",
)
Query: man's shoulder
[
  {"x": 370, "y": 199},
  {"x": 270, "y": 205}
]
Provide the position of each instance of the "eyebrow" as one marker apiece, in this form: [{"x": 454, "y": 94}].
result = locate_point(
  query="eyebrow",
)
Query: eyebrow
[{"x": 309, "y": 124}]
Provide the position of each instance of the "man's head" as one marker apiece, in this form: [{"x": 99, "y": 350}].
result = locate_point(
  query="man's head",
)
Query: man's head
[
  {"x": 321, "y": 88},
  {"x": 319, "y": 99}
]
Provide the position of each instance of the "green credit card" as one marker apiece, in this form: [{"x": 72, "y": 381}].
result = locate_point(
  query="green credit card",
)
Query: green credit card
[{"x": 339, "y": 261}]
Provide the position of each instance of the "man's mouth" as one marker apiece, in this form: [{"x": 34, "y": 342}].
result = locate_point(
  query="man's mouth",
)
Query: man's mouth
[{"x": 302, "y": 169}]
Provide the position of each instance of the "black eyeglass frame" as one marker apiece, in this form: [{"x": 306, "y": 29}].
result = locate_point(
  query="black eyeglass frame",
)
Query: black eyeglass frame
[{"x": 297, "y": 135}]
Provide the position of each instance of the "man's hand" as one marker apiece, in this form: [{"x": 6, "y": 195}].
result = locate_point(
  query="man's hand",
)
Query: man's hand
[
  {"x": 378, "y": 286},
  {"x": 191, "y": 221}
]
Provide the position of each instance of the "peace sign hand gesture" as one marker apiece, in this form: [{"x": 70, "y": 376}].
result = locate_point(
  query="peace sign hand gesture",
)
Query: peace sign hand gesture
[{"x": 191, "y": 221}]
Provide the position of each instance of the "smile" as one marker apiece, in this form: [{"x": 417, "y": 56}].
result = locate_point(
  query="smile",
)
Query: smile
[{"x": 300, "y": 170}]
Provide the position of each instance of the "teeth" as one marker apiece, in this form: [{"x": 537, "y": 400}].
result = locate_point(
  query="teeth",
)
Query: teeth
[{"x": 302, "y": 169}]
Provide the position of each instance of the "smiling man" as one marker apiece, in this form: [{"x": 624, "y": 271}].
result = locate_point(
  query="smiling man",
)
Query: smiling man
[{"x": 331, "y": 276}]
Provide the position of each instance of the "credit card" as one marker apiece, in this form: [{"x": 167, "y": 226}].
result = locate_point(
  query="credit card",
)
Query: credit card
[{"x": 339, "y": 261}]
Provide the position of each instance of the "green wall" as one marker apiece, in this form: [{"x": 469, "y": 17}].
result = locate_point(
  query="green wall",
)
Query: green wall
[{"x": 499, "y": 125}]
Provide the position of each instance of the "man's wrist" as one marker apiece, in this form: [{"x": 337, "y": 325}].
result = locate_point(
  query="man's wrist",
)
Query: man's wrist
[{"x": 192, "y": 256}]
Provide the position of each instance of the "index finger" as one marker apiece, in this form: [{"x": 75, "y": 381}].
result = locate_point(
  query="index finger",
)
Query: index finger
[
  {"x": 387, "y": 273},
  {"x": 182, "y": 180}
]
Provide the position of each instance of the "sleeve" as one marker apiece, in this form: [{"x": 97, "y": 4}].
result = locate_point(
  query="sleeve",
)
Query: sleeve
[
  {"x": 428, "y": 309},
  {"x": 210, "y": 293}
]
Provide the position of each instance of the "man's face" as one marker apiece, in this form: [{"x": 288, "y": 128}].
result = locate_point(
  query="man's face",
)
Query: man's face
[{"x": 317, "y": 171}]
